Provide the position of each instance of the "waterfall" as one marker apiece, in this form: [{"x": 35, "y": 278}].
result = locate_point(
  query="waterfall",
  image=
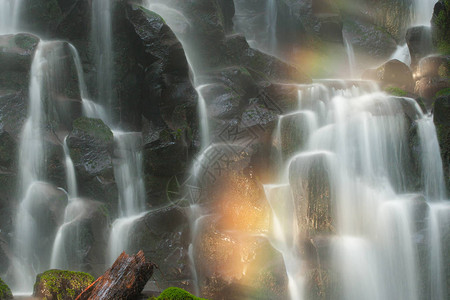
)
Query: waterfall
[
  {"x": 9, "y": 15},
  {"x": 361, "y": 149},
  {"x": 402, "y": 54},
  {"x": 351, "y": 57},
  {"x": 422, "y": 12},
  {"x": 31, "y": 163},
  {"x": 70, "y": 172},
  {"x": 271, "y": 23},
  {"x": 101, "y": 23}
]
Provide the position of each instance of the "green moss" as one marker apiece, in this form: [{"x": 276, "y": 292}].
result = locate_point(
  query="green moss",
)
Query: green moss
[
  {"x": 94, "y": 127},
  {"x": 395, "y": 91},
  {"x": 5, "y": 292},
  {"x": 442, "y": 93},
  {"x": 62, "y": 284},
  {"x": 25, "y": 41},
  {"x": 174, "y": 293}
]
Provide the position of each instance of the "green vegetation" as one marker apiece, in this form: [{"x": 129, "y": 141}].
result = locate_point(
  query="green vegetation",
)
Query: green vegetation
[
  {"x": 59, "y": 284},
  {"x": 26, "y": 41},
  {"x": 441, "y": 34},
  {"x": 94, "y": 127},
  {"x": 442, "y": 92},
  {"x": 395, "y": 91},
  {"x": 5, "y": 292},
  {"x": 174, "y": 293}
]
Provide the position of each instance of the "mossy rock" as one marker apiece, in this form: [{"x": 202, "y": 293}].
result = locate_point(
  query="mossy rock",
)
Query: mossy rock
[
  {"x": 93, "y": 127},
  {"x": 61, "y": 285},
  {"x": 5, "y": 291},
  {"x": 395, "y": 91},
  {"x": 174, "y": 293}
]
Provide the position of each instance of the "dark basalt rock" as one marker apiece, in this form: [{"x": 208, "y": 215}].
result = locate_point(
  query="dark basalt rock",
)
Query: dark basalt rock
[
  {"x": 435, "y": 66},
  {"x": 427, "y": 87},
  {"x": 369, "y": 38},
  {"x": 419, "y": 43},
  {"x": 91, "y": 149},
  {"x": 442, "y": 122},
  {"x": 163, "y": 235},
  {"x": 396, "y": 73}
]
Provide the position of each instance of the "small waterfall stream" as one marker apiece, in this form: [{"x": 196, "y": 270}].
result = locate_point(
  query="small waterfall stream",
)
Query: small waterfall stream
[{"x": 9, "y": 15}]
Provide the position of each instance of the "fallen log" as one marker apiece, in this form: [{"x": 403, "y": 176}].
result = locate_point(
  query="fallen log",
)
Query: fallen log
[{"x": 124, "y": 280}]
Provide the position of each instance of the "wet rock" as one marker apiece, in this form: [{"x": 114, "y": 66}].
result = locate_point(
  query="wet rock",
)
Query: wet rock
[
  {"x": 17, "y": 51},
  {"x": 163, "y": 235},
  {"x": 428, "y": 87},
  {"x": 442, "y": 122},
  {"x": 84, "y": 237},
  {"x": 434, "y": 66},
  {"x": 233, "y": 265},
  {"x": 5, "y": 292},
  {"x": 439, "y": 26},
  {"x": 392, "y": 15},
  {"x": 368, "y": 38},
  {"x": 261, "y": 65},
  {"x": 228, "y": 11},
  {"x": 310, "y": 180},
  {"x": 58, "y": 284},
  {"x": 7, "y": 150},
  {"x": 167, "y": 93},
  {"x": 40, "y": 16},
  {"x": 419, "y": 43},
  {"x": 91, "y": 149},
  {"x": 396, "y": 73}
]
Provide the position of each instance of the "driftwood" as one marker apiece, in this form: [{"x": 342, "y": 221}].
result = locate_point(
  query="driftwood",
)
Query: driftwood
[{"x": 124, "y": 280}]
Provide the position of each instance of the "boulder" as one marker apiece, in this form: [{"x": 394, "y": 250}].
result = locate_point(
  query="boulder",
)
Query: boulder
[
  {"x": 91, "y": 145},
  {"x": 368, "y": 38},
  {"x": 233, "y": 265},
  {"x": 440, "y": 22},
  {"x": 168, "y": 95},
  {"x": 434, "y": 66},
  {"x": 391, "y": 15},
  {"x": 419, "y": 43},
  {"x": 83, "y": 238},
  {"x": 163, "y": 235},
  {"x": 260, "y": 65},
  {"x": 5, "y": 292},
  {"x": 396, "y": 73},
  {"x": 428, "y": 87},
  {"x": 442, "y": 121},
  {"x": 310, "y": 179},
  {"x": 59, "y": 284}
]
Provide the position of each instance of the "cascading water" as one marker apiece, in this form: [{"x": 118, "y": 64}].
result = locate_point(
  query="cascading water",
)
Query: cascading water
[
  {"x": 251, "y": 18},
  {"x": 351, "y": 56},
  {"x": 102, "y": 41},
  {"x": 130, "y": 183},
  {"x": 31, "y": 159},
  {"x": 9, "y": 15},
  {"x": 423, "y": 10},
  {"x": 357, "y": 154}
]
